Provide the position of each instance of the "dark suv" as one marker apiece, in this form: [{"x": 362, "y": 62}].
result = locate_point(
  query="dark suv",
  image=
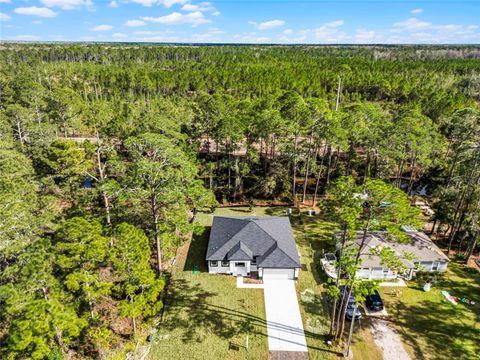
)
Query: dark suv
[
  {"x": 374, "y": 302},
  {"x": 350, "y": 303}
]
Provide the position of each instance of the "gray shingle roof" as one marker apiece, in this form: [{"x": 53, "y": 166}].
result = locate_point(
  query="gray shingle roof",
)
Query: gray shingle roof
[
  {"x": 240, "y": 251},
  {"x": 269, "y": 238},
  {"x": 420, "y": 246}
]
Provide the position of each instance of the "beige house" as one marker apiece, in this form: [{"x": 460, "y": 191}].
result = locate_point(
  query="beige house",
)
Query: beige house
[{"x": 420, "y": 254}]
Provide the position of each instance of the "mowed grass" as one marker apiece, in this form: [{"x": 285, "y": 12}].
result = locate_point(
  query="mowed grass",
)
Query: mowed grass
[
  {"x": 313, "y": 235},
  {"x": 206, "y": 316},
  {"x": 430, "y": 326}
]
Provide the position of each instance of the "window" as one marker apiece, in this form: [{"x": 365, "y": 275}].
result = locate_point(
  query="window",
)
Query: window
[
  {"x": 213, "y": 263},
  {"x": 254, "y": 261},
  {"x": 435, "y": 266},
  {"x": 240, "y": 264},
  {"x": 225, "y": 263}
]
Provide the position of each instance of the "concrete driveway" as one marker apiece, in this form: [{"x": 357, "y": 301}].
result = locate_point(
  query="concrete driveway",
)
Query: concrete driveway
[{"x": 284, "y": 323}]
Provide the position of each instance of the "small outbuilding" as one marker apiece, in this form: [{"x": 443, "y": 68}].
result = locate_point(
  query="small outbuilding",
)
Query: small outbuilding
[{"x": 243, "y": 245}]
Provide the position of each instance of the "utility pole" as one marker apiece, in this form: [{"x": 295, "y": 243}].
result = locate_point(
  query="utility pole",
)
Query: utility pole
[{"x": 345, "y": 354}]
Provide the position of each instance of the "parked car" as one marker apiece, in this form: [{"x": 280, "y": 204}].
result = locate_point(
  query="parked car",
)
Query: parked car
[
  {"x": 374, "y": 302},
  {"x": 350, "y": 304}
]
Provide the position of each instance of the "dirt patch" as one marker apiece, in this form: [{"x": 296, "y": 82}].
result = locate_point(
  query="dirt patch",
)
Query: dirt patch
[
  {"x": 474, "y": 262},
  {"x": 388, "y": 340},
  {"x": 247, "y": 280}
]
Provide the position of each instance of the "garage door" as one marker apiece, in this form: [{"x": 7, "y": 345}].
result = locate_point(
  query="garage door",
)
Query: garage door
[{"x": 278, "y": 273}]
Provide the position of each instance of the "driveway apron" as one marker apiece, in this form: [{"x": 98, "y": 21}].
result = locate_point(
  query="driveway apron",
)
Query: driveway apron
[{"x": 284, "y": 322}]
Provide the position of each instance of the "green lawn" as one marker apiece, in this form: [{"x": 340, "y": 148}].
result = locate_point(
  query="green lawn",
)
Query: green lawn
[
  {"x": 430, "y": 326},
  {"x": 206, "y": 314},
  {"x": 311, "y": 235},
  {"x": 314, "y": 236}
]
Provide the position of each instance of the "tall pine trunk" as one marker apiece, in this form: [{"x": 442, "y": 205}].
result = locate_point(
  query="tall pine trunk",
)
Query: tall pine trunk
[
  {"x": 294, "y": 166},
  {"x": 305, "y": 183},
  {"x": 319, "y": 176}
]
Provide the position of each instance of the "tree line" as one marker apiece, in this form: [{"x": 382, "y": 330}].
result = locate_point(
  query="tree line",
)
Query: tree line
[{"x": 108, "y": 151}]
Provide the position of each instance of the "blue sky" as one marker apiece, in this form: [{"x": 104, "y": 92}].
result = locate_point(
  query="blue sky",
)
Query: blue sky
[{"x": 316, "y": 22}]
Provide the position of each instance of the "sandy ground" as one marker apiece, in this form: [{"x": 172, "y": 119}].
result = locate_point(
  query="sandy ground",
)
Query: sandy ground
[{"x": 388, "y": 341}]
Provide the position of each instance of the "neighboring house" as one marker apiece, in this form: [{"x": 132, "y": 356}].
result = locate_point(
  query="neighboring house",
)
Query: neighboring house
[
  {"x": 420, "y": 254},
  {"x": 244, "y": 245}
]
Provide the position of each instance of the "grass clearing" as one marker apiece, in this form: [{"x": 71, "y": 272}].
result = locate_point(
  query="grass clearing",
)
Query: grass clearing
[
  {"x": 206, "y": 316},
  {"x": 430, "y": 326},
  {"x": 207, "y": 313}
]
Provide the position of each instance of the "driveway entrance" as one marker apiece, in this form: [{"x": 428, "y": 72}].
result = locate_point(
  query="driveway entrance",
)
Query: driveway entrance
[{"x": 284, "y": 322}]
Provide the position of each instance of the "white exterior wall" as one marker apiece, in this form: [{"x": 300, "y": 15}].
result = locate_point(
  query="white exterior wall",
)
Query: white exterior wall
[
  {"x": 443, "y": 266},
  {"x": 376, "y": 274},
  {"x": 218, "y": 269},
  {"x": 429, "y": 266},
  {"x": 235, "y": 271},
  {"x": 297, "y": 271}
]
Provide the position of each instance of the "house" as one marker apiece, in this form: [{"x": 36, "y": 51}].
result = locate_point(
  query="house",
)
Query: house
[
  {"x": 419, "y": 254},
  {"x": 246, "y": 245}
]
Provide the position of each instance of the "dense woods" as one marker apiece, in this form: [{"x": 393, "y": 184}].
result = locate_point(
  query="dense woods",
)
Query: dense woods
[{"x": 108, "y": 151}]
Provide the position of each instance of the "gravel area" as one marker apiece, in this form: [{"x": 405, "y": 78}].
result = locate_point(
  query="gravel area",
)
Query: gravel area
[{"x": 388, "y": 341}]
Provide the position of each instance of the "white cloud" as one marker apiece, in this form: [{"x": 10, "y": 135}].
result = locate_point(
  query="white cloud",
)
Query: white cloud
[
  {"x": 113, "y": 4},
  {"x": 103, "y": 27},
  {"x": 166, "y": 3},
  {"x": 194, "y": 18},
  {"x": 417, "y": 11},
  {"x": 145, "y": 2},
  {"x": 27, "y": 37},
  {"x": 4, "y": 1},
  {"x": 157, "y": 36},
  {"x": 414, "y": 31},
  {"x": 289, "y": 36},
  {"x": 330, "y": 33},
  {"x": 4, "y": 17},
  {"x": 67, "y": 4},
  {"x": 134, "y": 23},
  {"x": 211, "y": 35},
  {"x": 411, "y": 24},
  {"x": 363, "y": 36},
  {"x": 266, "y": 25},
  {"x": 250, "y": 37},
  {"x": 291, "y": 40},
  {"x": 119, "y": 35},
  {"x": 36, "y": 11},
  {"x": 203, "y": 7},
  {"x": 37, "y": 22}
]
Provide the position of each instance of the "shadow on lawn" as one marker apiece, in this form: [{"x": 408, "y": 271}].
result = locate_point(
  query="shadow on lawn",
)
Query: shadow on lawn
[
  {"x": 446, "y": 339},
  {"x": 222, "y": 321},
  {"x": 448, "y": 331},
  {"x": 188, "y": 297},
  {"x": 197, "y": 251}
]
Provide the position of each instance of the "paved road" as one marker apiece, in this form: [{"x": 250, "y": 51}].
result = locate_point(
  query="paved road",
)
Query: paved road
[{"x": 284, "y": 323}]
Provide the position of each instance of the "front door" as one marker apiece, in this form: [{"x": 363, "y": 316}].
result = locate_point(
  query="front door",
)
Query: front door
[{"x": 240, "y": 268}]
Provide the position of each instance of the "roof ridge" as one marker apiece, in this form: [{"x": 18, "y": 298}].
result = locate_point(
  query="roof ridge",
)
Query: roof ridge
[
  {"x": 276, "y": 242},
  {"x": 233, "y": 236}
]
